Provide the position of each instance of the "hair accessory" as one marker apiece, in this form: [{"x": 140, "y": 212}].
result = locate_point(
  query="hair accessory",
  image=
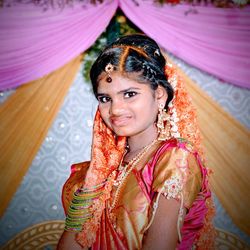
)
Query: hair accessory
[
  {"x": 157, "y": 52},
  {"x": 148, "y": 68},
  {"x": 108, "y": 69},
  {"x": 163, "y": 124},
  {"x": 183, "y": 117}
]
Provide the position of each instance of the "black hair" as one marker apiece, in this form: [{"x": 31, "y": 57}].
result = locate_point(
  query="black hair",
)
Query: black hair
[{"x": 135, "y": 56}]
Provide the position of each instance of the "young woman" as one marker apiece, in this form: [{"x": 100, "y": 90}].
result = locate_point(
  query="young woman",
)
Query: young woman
[{"x": 145, "y": 186}]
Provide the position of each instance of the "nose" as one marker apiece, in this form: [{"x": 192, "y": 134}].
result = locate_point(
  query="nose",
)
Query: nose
[{"x": 117, "y": 107}]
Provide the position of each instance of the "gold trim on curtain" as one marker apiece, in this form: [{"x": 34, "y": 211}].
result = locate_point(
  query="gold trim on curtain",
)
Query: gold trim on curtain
[
  {"x": 25, "y": 118},
  {"x": 227, "y": 150}
]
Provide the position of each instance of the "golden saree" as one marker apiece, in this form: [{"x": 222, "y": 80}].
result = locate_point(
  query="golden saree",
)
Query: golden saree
[{"x": 173, "y": 170}]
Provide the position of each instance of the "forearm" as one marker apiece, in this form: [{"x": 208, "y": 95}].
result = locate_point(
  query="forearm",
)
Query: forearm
[{"x": 160, "y": 241}]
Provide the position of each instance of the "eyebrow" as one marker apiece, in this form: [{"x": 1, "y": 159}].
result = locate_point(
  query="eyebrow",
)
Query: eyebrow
[{"x": 121, "y": 91}]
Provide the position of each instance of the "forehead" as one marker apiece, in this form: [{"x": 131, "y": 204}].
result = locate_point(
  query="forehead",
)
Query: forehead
[{"x": 119, "y": 83}]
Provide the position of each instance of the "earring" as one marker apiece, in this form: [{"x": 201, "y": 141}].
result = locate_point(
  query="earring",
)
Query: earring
[{"x": 162, "y": 124}]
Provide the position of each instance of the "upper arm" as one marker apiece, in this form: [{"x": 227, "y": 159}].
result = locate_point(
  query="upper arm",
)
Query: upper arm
[
  {"x": 177, "y": 176},
  {"x": 76, "y": 179},
  {"x": 163, "y": 233}
]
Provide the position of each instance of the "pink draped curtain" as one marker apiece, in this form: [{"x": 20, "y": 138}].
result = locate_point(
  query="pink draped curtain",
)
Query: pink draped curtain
[
  {"x": 34, "y": 43},
  {"x": 213, "y": 39}
]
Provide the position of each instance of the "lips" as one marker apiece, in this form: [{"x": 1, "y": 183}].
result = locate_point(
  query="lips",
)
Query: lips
[{"x": 120, "y": 121}]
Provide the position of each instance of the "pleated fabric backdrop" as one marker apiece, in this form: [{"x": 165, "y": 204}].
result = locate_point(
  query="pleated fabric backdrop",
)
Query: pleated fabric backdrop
[{"x": 25, "y": 119}]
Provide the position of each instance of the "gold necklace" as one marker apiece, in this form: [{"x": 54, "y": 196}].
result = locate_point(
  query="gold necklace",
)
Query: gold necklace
[{"x": 127, "y": 170}]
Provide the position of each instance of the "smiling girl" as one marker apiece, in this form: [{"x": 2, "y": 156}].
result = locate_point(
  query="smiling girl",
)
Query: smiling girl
[{"x": 145, "y": 186}]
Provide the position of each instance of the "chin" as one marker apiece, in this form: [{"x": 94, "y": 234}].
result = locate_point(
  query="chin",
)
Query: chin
[{"x": 123, "y": 132}]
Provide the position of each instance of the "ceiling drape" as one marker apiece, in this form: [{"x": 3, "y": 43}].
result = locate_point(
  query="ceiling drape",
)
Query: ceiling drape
[
  {"x": 36, "y": 42},
  {"x": 215, "y": 40}
]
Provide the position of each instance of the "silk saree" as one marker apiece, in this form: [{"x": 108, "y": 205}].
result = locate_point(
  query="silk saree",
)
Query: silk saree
[{"x": 174, "y": 170}]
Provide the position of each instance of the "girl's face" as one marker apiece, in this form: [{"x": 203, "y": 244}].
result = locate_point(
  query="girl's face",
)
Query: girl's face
[{"x": 127, "y": 107}]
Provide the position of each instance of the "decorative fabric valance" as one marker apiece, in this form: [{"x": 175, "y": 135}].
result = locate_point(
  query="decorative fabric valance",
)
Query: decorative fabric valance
[{"x": 36, "y": 42}]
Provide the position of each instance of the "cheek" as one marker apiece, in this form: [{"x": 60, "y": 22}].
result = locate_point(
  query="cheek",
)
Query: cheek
[
  {"x": 153, "y": 115},
  {"x": 152, "y": 108},
  {"x": 153, "y": 112},
  {"x": 148, "y": 112},
  {"x": 104, "y": 113},
  {"x": 156, "y": 111}
]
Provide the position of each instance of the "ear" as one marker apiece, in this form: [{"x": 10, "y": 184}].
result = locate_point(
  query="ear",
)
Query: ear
[{"x": 161, "y": 94}]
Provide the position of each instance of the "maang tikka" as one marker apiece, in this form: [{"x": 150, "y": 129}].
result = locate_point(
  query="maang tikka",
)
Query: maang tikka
[
  {"x": 163, "y": 124},
  {"x": 108, "y": 69}
]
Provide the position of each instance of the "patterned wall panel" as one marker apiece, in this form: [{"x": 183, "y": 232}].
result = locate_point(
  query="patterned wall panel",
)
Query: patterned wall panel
[{"x": 68, "y": 141}]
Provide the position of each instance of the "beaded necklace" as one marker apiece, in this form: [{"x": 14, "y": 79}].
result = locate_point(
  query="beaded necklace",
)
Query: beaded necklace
[{"x": 119, "y": 182}]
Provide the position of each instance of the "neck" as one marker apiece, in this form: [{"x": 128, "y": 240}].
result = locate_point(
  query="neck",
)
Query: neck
[{"x": 137, "y": 142}]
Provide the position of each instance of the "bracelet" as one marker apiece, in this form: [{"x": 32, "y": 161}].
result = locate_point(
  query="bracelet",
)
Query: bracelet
[{"x": 80, "y": 209}]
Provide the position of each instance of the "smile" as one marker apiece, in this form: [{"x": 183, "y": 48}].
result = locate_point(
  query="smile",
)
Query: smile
[{"x": 120, "y": 121}]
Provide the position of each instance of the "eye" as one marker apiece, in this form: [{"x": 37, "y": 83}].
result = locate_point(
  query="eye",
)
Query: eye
[
  {"x": 104, "y": 99},
  {"x": 130, "y": 94}
]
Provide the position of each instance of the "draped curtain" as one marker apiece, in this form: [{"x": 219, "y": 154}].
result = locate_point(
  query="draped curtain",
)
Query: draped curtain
[
  {"x": 36, "y": 42},
  {"x": 213, "y": 39}
]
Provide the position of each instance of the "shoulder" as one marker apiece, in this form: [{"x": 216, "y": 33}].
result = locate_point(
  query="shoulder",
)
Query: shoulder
[
  {"x": 178, "y": 143},
  {"x": 178, "y": 169},
  {"x": 174, "y": 153},
  {"x": 75, "y": 181},
  {"x": 175, "y": 149}
]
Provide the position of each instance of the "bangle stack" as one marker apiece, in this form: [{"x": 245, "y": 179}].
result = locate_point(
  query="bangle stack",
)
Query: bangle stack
[{"x": 80, "y": 209}]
